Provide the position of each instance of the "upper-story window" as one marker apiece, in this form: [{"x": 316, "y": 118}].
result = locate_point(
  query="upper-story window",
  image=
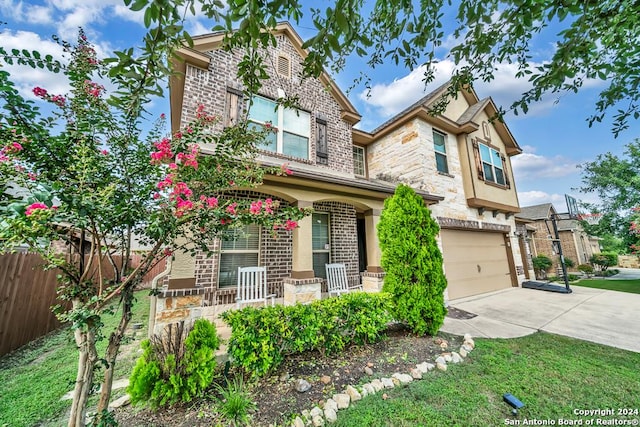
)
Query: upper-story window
[
  {"x": 441, "y": 151},
  {"x": 291, "y": 128},
  {"x": 358, "y": 161},
  {"x": 492, "y": 165}
]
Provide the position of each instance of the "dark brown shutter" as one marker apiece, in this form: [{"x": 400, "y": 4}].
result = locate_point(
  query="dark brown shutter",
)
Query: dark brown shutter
[
  {"x": 476, "y": 155},
  {"x": 235, "y": 107},
  {"x": 322, "y": 155},
  {"x": 504, "y": 171}
]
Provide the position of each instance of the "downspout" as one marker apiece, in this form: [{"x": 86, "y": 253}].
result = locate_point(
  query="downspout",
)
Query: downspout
[{"x": 154, "y": 297}]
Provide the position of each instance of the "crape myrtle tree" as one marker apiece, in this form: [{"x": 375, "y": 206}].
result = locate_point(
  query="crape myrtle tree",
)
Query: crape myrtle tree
[
  {"x": 592, "y": 41},
  {"x": 90, "y": 179},
  {"x": 412, "y": 261}
]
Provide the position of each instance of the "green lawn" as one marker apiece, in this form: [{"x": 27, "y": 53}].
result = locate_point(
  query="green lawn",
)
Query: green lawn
[
  {"x": 552, "y": 375},
  {"x": 35, "y": 377},
  {"x": 632, "y": 286}
]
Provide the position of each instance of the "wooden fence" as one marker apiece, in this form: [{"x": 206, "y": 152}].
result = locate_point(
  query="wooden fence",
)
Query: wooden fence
[{"x": 27, "y": 293}]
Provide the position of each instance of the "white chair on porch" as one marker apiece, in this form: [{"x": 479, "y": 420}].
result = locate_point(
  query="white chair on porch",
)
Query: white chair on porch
[
  {"x": 337, "y": 281},
  {"x": 252, "y": 286}
]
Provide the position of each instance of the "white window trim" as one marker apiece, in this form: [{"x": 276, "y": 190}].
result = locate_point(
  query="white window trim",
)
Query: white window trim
[
  {"x": 493, "y": 166},
  {"x": 280, "y": 128},
  {"x": 323, "y": 251},
  {"x": 436, "y": 152},
  {"x": 238, "y": 251}
]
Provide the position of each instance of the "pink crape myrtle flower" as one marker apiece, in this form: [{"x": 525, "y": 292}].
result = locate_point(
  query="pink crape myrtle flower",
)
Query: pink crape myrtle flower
[
  {"x": 59, "y": 100},
  {"x": 163, "y": 154},
  {"x": 34, "y": 207},
  {"x": 39, "y": 92},
  {"x": 181, "y": 189},
  {"x": 285, "y": 169},
  {"x": 182, "y": 206},
  {"x": 232, "y": 208},
  {"x": 268, "y": 206},
  {"x": 256, "y": 207},
  {"x": 290, "y": 225}
]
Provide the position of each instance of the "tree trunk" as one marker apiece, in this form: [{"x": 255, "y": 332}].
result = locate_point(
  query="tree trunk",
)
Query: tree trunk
[
  {"x": 88, "y": 356},
  {"x": 115, "y": 339}
]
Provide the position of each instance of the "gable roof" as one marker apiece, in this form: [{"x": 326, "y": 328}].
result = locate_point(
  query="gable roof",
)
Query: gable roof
[
  {"x": 197, "y": 57},
  {"x": 536, "y": 212},
  {"x": 463, "y": 124}
]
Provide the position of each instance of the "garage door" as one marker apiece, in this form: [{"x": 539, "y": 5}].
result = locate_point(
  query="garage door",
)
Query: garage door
[{"x": 475, "y": 262}]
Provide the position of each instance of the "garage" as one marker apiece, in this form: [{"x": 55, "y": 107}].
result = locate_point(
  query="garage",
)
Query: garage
[{"x": 475, "y": 262}]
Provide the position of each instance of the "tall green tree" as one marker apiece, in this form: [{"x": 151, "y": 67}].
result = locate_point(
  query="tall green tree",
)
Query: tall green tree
[
  {"x": 412, "y": 261},
  {"x": 92, "y": 180},
  {"x": 616, "y": 182},
  {"x": 592, "y": 40}
]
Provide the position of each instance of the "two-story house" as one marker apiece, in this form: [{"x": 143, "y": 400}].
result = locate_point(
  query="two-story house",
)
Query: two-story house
[
  {"x": 458, "y": 162},
  {"x": 576, "y": 244}
]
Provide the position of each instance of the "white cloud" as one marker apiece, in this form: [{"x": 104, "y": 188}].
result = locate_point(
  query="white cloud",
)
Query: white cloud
[
  {"x": 528, "y": 166},
  {"x": 389, "y": 98},
  {"x": 26, "y": 78},
  {"x": 536, "y": 197}
]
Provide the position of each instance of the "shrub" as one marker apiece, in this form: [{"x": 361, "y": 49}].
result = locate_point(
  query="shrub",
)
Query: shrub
[
  {"x": 604, "y": 260},
  {"x": 235, "y": 403},
  {"x": 568, "y": 262},
  {"x": 585, "y": 268},
  {"x": 412, "y": 261},
  {"x": 262, "y": 337},
  {"x": 176, "y": 365},
  {"x": 541, "y": 264}
]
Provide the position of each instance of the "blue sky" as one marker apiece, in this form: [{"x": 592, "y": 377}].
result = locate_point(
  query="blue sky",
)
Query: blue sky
[{"x": 554, "y": 134}]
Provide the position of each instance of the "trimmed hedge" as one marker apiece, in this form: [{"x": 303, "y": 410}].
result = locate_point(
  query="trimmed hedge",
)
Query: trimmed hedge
[{"x": 261, "y": 338}]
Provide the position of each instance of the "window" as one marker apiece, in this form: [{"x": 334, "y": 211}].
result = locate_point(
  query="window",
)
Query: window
[
  {"x": 358, "y": 161},
  {"x": 492, "y": 165},
  {"x": 239, "y": 248},
  {"x": 291, "y": 128},
  {"x": 320, "y": 243},
  {"x": 441, "y": 152}
]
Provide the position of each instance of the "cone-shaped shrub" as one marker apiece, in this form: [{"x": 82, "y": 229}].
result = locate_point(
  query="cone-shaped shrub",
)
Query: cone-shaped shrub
[{"x": 412, "y": 261}]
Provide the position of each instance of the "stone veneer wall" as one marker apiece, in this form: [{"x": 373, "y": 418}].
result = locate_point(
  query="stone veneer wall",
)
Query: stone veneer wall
[
  {"x": 209, "y": 87},
  {"x": 344, "y": 235},
  {"x": 275, "y": 253},
  {"x": 407, "y": 155}
]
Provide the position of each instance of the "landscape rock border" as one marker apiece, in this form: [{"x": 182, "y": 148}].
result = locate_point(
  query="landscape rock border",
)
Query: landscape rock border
[{"x": 328, "y": 414}]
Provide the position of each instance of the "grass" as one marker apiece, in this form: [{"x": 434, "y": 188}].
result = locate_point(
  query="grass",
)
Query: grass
[
  {"x": 631, "y": 286},
  {"x": 35, "y": 377},
  {"x": 552, "y": 375}
]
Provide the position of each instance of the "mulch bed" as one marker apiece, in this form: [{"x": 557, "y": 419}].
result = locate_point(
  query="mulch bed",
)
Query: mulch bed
[{"x": 275, "y": 396}]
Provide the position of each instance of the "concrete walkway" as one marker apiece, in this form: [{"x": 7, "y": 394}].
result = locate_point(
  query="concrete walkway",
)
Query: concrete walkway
[{"x": 597, "y": 315}]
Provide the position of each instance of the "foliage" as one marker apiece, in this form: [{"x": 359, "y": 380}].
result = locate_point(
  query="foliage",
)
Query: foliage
[
  {"x": 34, "y": 376},
  {"x": 261, "y": 338},
  {"x": 235, "y": 402},
  {"x": 549, "y": 373},
  {"x": 175, "y": 366},
  {"x": 586, "y": 268},
  {"x": 568, "y": 262},
  {"x": 541, "y": 264},
  {"x": 613, "y": 179},
  {"x": 604, "y": 260},
  {"x": 92, "y": 181},
  {"x": 412, "y": 261},
  {"x": 593, "y": 41}
]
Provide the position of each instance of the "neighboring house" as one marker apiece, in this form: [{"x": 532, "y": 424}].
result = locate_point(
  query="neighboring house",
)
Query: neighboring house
[
  {"x": 576, "y": 244},
  {"x": 458, "y": 162}
]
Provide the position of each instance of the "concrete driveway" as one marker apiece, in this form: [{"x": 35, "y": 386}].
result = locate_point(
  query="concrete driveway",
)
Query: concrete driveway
[{"x": 601, "y": 316}]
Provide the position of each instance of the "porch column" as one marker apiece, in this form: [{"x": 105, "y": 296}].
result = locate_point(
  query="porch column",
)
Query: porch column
[
  {"x": 302, "y": 263},
  {"x": 373, "y": 278},
  {"x": 302, "y": 287}
]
